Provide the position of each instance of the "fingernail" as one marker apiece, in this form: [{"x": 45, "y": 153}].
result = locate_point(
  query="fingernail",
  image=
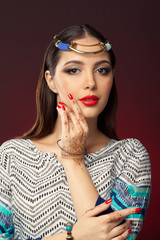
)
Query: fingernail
[
  {"x": 58, "y": 106},
  {"x": 129, "y": 231},
  {"x": 130, "y": 221},
  {"x": 61, "y": 103},
  {"x": 70, "y": 96},
  {"x": 108, "y": 201},
  {"x": 138, "y": 209},
  {"x": 63, "y": 107}
]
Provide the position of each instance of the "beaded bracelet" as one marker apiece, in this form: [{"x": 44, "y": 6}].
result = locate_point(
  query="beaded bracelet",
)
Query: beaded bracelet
[{"x": 69, "y": 226}]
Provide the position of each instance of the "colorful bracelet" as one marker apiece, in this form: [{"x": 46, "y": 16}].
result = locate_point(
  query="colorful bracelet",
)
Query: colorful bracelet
[{"x": 69, "y": 226}]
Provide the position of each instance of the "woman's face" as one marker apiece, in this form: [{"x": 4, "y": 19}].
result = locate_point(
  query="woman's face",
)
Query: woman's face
[{"x": 88, "y": 78}]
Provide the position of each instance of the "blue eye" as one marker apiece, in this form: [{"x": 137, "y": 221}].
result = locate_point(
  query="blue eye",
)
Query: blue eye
[
  {"x": 73, "y": 70},
  {"x": 103, "y": 70}
]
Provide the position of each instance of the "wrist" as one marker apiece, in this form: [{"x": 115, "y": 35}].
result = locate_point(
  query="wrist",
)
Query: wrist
[
  {"x": 72, "y": 162},
  {"x": 76, "y": 151}
]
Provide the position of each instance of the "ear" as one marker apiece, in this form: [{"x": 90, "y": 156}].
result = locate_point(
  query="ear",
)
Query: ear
[{"x": 50, "y": 81}]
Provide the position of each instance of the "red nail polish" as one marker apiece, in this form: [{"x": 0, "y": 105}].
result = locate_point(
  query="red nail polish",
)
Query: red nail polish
[
  {"x": 63, "y": 107},
  {"x": 129, "y": 231},
  {"x": 70, "y": 96},
  {"x": 58, "y": 106},
  {"x": 108, "y": 201},
  {"x": 61, "y": 103},
  {"x": 130, "y": 221},
  {"x": 138, "y": 209}
]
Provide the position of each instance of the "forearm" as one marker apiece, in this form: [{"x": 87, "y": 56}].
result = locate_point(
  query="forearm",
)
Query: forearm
[
  {"x": 83, "y": 191},
  {"x": 60, "y": 236}
]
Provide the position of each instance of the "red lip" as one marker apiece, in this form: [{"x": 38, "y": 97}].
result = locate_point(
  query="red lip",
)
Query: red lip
[
  {"x": 89, "y": 100},
  {"x": 90, "y": 97}
]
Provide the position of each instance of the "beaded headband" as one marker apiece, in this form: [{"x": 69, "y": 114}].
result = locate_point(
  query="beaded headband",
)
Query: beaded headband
[{"x": 105, "y": 46}]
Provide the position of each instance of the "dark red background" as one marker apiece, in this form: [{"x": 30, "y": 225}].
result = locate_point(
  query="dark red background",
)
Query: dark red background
[{"x": 133, "y": 27}]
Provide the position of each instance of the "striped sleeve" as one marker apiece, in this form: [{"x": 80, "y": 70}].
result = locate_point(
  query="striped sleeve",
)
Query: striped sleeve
[
  {"x": 6, "y": 223},
  {"x": 132, "y": 186}
]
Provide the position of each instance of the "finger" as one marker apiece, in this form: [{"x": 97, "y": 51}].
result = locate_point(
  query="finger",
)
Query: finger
[
  {"x": 100, "y": 208},
  {"x": 64, "y": 120},
  {"x": 73, "y": 120},
  {"x": 122, "y": 214},
  {"x": 120, "y": 229},
  {"x": 76, "y": 125},
  {"x": 123, "y": 235},
  {"x": 78, "y": 112},
  {"x": 74, "y": 105}
]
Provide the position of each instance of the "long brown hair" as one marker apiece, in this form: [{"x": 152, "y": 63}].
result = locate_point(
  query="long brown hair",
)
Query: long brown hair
[{"x": 46, "y": 99}]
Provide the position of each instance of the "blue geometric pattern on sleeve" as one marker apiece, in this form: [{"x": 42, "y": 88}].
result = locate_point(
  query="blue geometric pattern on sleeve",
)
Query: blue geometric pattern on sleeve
[
  {"x": 6, "y": 227},
  {"x": 125, "y": 196}
]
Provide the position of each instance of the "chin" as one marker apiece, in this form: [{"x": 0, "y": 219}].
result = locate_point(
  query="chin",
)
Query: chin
[{"x": 91, "y": 113}]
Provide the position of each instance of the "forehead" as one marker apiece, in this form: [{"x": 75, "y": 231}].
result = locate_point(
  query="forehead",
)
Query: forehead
[{"x": 88, "y": 41}]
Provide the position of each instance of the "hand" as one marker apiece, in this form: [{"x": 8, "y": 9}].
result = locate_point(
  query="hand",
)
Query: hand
[
  {"x": 105, "y": 227},
  {"x": 74, "y": 129}
]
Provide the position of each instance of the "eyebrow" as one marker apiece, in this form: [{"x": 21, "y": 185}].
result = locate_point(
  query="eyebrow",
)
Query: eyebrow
[{"x": 79, "y": 62}]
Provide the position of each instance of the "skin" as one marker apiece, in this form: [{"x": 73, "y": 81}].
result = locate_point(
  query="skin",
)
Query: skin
[{"x": 76, "y": 125}]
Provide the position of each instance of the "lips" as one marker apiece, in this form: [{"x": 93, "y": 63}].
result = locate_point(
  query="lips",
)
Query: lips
[{"x": 89, "y": 100}]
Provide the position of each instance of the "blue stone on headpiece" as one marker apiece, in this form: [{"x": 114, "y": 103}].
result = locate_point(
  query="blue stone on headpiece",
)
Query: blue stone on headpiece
[
  {"x": 108, "y": 46},
  {"x": 63, "y": 46}
]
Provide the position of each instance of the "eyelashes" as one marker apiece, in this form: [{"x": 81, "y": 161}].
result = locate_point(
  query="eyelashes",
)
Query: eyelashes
[
  {"x": 73, "y": 70},
  {"x": 103, "y": 70},
  {"x": 100, "y": 70}
]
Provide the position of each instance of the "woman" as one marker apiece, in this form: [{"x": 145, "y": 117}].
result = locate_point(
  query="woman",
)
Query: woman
[{"x": 71, "y": 167}]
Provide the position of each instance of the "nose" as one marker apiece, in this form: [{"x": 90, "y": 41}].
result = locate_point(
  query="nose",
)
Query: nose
[{"x": 89, "y": 81}]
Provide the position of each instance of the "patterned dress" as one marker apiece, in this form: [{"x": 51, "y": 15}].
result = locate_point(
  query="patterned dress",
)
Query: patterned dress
[{"x": 35, "y": 199}]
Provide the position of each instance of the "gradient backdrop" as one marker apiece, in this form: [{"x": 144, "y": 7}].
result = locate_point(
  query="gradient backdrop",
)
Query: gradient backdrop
[{"x": 27, "y": 27}]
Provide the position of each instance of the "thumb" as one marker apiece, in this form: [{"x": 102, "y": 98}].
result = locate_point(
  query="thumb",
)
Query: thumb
[{"x": 100, "y": 208}]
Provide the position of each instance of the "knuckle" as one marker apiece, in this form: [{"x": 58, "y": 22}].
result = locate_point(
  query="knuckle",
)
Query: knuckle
[
  {"x": 123, "y": 236},
  {"x": 120, "y": 238},
  {"x": 69, "y": 110},
  {"x": 110, "y": 217},
  {"x": 119, "y": 216},
  {"x": 80, "y": 131},
  {"x": 81, "y": 117},
  {"x": 122, "y": 227}
]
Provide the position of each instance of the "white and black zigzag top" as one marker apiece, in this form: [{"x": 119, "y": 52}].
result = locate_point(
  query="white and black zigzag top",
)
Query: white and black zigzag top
[{"x": 35, "y": 199}]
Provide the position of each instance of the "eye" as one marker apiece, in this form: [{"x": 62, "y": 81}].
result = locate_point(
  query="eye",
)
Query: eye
[
  {"x": 103, "y": 70},
  {"x": 73, "y": 70}
]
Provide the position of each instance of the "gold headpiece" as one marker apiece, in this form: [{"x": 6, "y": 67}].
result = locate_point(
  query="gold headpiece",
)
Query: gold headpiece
[{"x": 105, "y": 46}]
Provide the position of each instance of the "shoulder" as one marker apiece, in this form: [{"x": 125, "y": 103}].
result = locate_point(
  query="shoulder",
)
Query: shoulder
[
  {"x": 133, "y": 146},
  {"x": 135, "y": 157},
  {"x": 14, "y": 144},
  {"x": 130, "y": 146},
  {"x": 131, "y": 152},
  {"x": 136, "y": 168},
  {"x": 13, "y": 149}
]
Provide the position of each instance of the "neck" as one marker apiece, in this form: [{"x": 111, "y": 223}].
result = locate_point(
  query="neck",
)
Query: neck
[
  {"x": 92, "y": 126},
  {"x": 94, "y": 132},
  {"x": 95, "y": 140}
]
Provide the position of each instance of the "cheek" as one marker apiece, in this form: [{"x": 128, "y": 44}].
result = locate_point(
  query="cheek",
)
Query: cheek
[
  {"x": 106, "y": 87},
  {"x": 63, "y": 90}
]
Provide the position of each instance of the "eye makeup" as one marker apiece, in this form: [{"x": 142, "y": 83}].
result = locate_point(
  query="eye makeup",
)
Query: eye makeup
[
  {"x": 72, "y": 70},
  {"x": 103, "y": 70}
]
